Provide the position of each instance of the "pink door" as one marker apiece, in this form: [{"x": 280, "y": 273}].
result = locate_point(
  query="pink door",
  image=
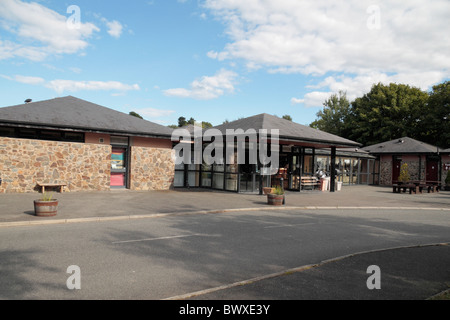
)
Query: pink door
[{"x": 118, "y": 167}]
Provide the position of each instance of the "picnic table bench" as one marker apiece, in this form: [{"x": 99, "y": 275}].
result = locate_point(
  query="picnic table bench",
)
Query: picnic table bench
[
  {"x": 416, "y": 187},
  {"x": 52, "y": 185},
  {"x": 310, "y": 182},
  {"x": 398, "y": 188}
]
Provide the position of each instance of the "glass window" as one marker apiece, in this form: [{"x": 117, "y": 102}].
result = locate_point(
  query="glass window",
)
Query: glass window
[
  {"x": 119, "y": 140},
  {"x": 73, "y": 136},
  {"x": 308, "y": 165},
  {"x": 179, "y": 179},
  {"x": 50, "y": 135},
  {"x": 193, "y": 179},
  {"x": 322, "y": 164},
  {"x": 231, "y": 182},
  {"x": 7, "y": 132},
  {"x": 219, "y": 167},
  {"x": 28, "y": 133},
  {"x": 206, "y": 179},
  {"x": 218, "y": 181}
]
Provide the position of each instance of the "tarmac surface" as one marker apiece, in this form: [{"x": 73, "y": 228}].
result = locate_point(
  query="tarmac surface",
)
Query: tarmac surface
[{"x": 333, "y": 279}]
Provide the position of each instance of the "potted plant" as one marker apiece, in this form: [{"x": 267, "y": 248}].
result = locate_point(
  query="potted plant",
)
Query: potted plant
[
  {"x": 447, "y": 181},
  {"x": 267, "y": 190},
  {"x": 404, "y": 175},
  {"x": 46, "y": 206},
  {"x": 276, "y": 198}
]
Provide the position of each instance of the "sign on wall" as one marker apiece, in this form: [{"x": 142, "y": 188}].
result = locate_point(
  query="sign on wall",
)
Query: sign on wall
[{"x": 446, "y": 166}]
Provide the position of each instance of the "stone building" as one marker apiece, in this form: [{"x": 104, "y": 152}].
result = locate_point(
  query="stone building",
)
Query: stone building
[
  {"x": 424, "y": 160},
  {"x": 83, "y": 145},
  {"x": 445, "y": 158}
]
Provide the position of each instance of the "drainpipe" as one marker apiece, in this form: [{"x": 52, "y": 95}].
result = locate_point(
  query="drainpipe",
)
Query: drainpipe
[
  {"x": 420, "y": 167},
  {"x": 333, "y": 169}
]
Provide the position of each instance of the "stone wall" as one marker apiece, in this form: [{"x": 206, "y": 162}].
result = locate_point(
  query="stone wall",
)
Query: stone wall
[
  {"x": 385, "y": 170},
  {"x": 416, "y": 168},
  {"x": 414, "y": 165},
  {"x": 152, "y": 168},
  {"x": 24, "y": 163},
  {"x": 444, "y": 159}
]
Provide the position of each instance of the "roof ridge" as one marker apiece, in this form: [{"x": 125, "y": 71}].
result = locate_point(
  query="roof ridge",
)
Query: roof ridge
[{"x": 74, "y": 112}]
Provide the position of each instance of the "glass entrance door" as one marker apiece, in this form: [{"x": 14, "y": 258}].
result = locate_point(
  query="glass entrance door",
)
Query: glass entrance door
[
  {"x": 248, "y": 181},
  {"x": 294, "y": 174},
  {"x": 118, "y": 167}
]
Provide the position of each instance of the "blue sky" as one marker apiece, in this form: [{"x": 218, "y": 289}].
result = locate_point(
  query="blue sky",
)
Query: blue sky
[{"x": 218, "y": 59}]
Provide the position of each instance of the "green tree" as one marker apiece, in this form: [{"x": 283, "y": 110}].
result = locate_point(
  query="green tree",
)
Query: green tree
[
  {"x": 404, "y": 173},
  {"x": 134, "y": 114},
  {"x": 335, "y": 116},
  {"x": 436, "y": 129},
  {"x": 181, "y": 122},
  {"x": 387, "y": 112},
  {"x": 206, "y": 125},
  {"x": 287, "y": 117}
]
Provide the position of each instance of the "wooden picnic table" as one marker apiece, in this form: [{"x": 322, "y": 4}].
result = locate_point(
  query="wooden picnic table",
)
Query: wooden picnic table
[{"x": 416, "y": 186}]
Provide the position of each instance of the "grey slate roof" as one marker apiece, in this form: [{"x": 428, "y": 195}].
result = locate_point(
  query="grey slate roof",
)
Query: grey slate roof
[
  {"x": 77, "y": 114},
  {"x": 403, "y": 145},
  {"x": 347, "y": 152},
  {"x": 288, "y": 130}
]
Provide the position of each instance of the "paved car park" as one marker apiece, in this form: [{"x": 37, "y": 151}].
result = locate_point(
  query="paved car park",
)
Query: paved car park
[{"x": 190, "y": 244}]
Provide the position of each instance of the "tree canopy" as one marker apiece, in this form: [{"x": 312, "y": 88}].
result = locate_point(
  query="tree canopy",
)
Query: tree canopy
[
  {"x": 182, "y": 122},
  {"x": 334, "y": 116},
  {"x": 388, "y": 112},
  {"x": 134, "y": 114}
]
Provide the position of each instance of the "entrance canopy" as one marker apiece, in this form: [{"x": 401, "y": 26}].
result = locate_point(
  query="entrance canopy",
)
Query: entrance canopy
[
  {"x": 295, "y": 141},
  {"x": 289, "y": 132}
]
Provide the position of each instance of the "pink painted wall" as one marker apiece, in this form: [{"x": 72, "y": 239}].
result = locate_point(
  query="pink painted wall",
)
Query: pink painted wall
[
  {"x": 151, "y": 143},
  {"x": 94, "y": 138}
]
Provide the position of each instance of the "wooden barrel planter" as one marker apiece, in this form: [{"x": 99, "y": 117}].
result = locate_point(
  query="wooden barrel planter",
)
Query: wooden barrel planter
[
  {"x": 275, "y": 199},
  {"x": 45, "y": 208}
]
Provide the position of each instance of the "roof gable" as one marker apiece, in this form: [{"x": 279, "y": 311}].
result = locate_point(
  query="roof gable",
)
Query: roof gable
[
  {"x": 73, "y": 113},
  {"x": 402, "y": 145},
  {"x": 288, "y": 130}
]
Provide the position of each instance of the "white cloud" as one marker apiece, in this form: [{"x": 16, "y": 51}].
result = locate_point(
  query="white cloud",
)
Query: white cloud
[
  {"x": 151, "y": 113},
  {"x": 312, "y": 99},
  {"x": 208, "y": 87},
  {"x": 324, "y": 37},
  {"x": 358, "y": 85},
  {"x": 43, "y": 31},
  {"x": 75, "y": 70},
  {"x": 115, "y": 28},
  {"x": 61, "y": 86},
  {"x": 24, "y": 79},
  {"x": 29, "y": 80}
]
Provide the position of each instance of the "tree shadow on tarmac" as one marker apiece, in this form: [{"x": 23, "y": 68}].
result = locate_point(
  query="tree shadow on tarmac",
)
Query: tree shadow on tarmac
[{"x": 227, "y": 248}]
